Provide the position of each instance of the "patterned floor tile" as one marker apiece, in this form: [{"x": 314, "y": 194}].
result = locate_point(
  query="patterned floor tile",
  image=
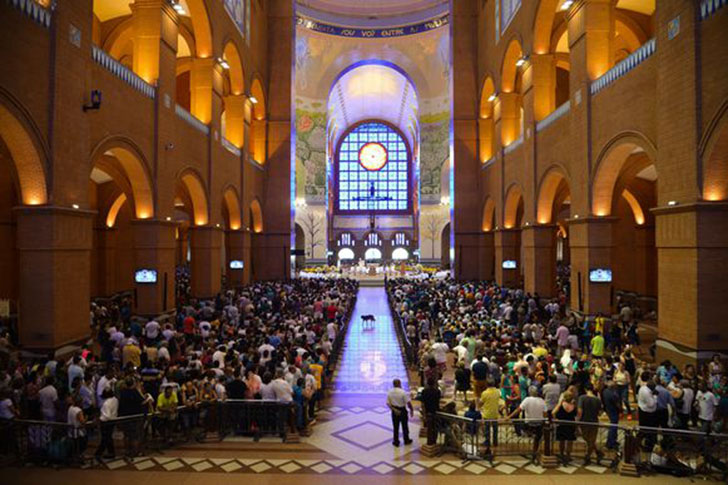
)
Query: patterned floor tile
[
  {"x": 413, "y": 468},
  {"x": 144, "y": 465},
  {"x": 445, "y": 469},
  {"x": 220, "y": 461},
  {"x": 248, "y": 461},
  {"x": 321, "y": 468},
  {"x": 535, "y": 469},
  {"x": 202, "y": 466},
  {"x": 173, "y": 465},
  {"x": 290, "y": 467},
  {"x": 383, "y": 468},
  {"x": 595, "y": 468},
  {"x": 475, "y": 468},
  {"x": 113, "y": 465},
  {"x": 231, "y": 467},
  {"x": 260, "y": 467},
  {"x": 191, "y": 461},
  {"x": 567, "y": 469},
  {"x": 351, "y": 468},
  {"x": 504, "y": 468},
  {"x": 277, "y": 462}
]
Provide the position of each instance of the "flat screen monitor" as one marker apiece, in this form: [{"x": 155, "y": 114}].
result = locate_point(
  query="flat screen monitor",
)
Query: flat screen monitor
[
  {"x": 600, "y": 275},
  {"x": 236, "y": 264},
  {"x": 145, "y": 276},
  {"x": 509, "y": 264}
]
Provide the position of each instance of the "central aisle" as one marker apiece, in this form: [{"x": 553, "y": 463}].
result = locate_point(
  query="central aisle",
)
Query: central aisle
[{"x": 371, "y": 358}]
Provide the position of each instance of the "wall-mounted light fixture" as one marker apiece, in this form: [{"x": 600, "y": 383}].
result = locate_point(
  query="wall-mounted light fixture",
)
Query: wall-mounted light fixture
[
  {"x": 95, "y": 101},
  {"x": 253, "y": 99},
  {"x": 492, "y": 97},
  {"x": 178, "y": 7},
  {"x": 520, "y": 62},
  {"x": 567, "y": 5},
  {"x": 672, "y": 203},
  {"x": 75, "y": 206},
  {"x": 223, "y": 63}
]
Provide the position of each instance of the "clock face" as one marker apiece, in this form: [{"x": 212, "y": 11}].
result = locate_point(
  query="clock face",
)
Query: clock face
[{"x": 373, "y": 156}]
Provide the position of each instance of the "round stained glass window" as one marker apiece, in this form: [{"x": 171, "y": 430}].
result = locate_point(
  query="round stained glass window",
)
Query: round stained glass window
[{"x": 373, "y": 156}]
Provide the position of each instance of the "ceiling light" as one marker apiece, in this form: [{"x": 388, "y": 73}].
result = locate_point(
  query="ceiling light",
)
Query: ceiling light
[
  {"x": 223, "y": 63},
  {"x": 179, "y": 8},
  {"x": 521, "y": 61},
  {"x": 253, "y": 99},
  {"x": 491, "y": 98},
  {"x": 169, "y": 218},
  {"x": 567, "y": 5}
]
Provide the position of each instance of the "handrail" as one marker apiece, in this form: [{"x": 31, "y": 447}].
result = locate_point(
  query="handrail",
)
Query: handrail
[
  {"x": 555, "y": 115},
  {"x": 230, "y": 147},
  {"x": 34, "y": 10},
  {"x": 515, "y": 144},
  {"x": 121, "y": 71},
  {"x": 630, "y": 62},
  {"x": 191, "y": 119},
  {"x": 709, "y": 7},
  {"x": 487, "y": 163}
]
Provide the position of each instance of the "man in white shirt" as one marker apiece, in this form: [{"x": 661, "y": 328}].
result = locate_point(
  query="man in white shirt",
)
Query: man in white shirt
[
  {"x": 151, "y": 330},
  {"x": 331, "y": 330},
  {"x": 282, "y": 390},
  {"x": 109, "y": 412},
  {"x": 398, "y": 401},
  {"x": 534, "y": 413},
  {"x": 439, "y": 351},
  {"x": 706, "y": 402},
  {"x": 647, "y": 404},
  {"x": 48, "y": 397}
]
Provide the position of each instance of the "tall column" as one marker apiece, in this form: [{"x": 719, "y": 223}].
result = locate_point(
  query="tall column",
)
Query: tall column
[
  {"x": 487, "y": 257},
  {"x": 539, "y": 259},
  {"x": 591, "y": 247},
  {"x": 692, "y": 246},
  {"x": 105, "y": 260},
  {"x": 146, "y": 18},
  {"x": 486, "y": 129},
  {"x": 510, "y": 110},
  {"x": 508, "y": 248},
  {"x": 154, "y": 248},
  {"x": 544, "y": 85},
  {"x": 257, "y": 140},
  {"x": 235, "y": 119},
  {"x": 54, "y": 252},
  {"x": 591, "y": 32},
  {"x": 201, "y": 83},
  {"x": 238, "y": 249},
  {"x": 206, "y": 264}
]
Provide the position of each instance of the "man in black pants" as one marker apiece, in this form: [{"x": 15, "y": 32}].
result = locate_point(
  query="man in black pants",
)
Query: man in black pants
[
  {"x": 431, "y": 403},
  {"x": 399, "y": 402}
]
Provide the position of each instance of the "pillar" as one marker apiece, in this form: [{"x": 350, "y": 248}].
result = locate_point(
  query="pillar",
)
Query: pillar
[
  {"x": 508, "y": 248},
  {"x": 201, "y": 84},
  {"x": 692, "y": 250},
  {"x": 591, "y": 247},
  {"x": 645, "y": 259},
  {"x": 510, "y": 111},
  {"x": 235, "y": 119},
  {"x": 54, "y": 251},
  {"x": 486, "y": 132},
  {"x": 539, "y": 259},
  {"x": 206, "y": 263},
  {"x": 257, "y": 140},
  {"x": 238, "y": 249},
  {"x": 105, "y": 260},
  {"x": 591, "y": 38},
  {"x": 544, "y": 85},
  {"x": 146, "y": 35},
  {"x": 154, "y": 248},
  {"x": 487, "y": 257}
]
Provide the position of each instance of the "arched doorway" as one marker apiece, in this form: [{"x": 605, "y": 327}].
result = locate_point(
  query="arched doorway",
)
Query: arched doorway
[{"x": 445, "y": 252}]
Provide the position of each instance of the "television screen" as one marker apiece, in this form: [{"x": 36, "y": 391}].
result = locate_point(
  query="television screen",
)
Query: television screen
[
  {"x": 145, "y": 276},
  {"x": 600, "y": 275},
  {"x": 236, "y": 264},
  {"x": 509, "y": 264}
]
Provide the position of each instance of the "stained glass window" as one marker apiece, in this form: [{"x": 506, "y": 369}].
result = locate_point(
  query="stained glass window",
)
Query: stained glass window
[{"x": 367, "y": 186}]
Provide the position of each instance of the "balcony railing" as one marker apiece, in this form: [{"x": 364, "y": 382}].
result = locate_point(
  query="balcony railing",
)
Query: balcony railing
[
  {"x": 33, "y": 10},
  {"x": 230, "y": 147},
  {"x": 122, "y": 72},
  {"x": 555, "y": 115},
  {"x": 189, "y": 118},
  {"x": 633, "y": 60},
  {"x": 487, "y": 163},
  {"x": 514, "y": 145},
  {"x": 709, "y": 7}
]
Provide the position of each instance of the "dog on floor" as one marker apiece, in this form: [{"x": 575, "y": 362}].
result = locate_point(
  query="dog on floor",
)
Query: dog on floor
[{"x": 368, "y": 322}]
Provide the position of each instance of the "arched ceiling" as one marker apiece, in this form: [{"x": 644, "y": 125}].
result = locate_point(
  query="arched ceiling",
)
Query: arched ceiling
[
  {"x": 371, "y": 8},
  {"x": 373, "y": 91}
]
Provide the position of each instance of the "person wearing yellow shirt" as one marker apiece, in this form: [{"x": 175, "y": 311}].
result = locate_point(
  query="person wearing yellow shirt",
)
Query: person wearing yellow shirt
[
  {"x": 167, "y": 410},
  {"x": 490, "y": 404},
  {"x": 599, "y": 323},
  {"x": 597, "y": 345},
  {"x": 131, "y": 353}
]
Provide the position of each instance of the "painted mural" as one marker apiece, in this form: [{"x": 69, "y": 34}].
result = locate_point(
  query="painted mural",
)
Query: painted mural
[
  {"x": 239, "y": 11},
  {"x": 311, "y": 149}
]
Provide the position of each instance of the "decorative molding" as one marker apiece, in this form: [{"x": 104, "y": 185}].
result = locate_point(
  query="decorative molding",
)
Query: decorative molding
[
  {"x": 190, "y": 118},
  {"x": 122, "y": 72},
  {"x": 555, "y": 115},
  {"x": 34, "y": 10},
  {"x": 709, "y": 7},
  {"x": 372, "y": 33},
  {"x": 230, "y": 147},
  {"x": 515, "y": 144},
  {"x": 633, "y": 60}
]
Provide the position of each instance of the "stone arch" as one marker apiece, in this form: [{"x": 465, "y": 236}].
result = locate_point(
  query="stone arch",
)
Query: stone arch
[
  {"x": 125, "y": 163},
  {"x": 195, "y": 189},
  {"x": 232, "y": 205},
  {"x": 486, "y": 100},
  {"x": 256, "y": 216},
  {"x": 543, "y": 25},
  {"x": 514, "y": 201},
  {"x": 635, "y": 206},
  {"x": 509, "y": 70},
  {"x": 259, "y": 107},
  {"x": 201, "y": 27},
  {"x": 486, "y": 123},
  {"x": 488, "y": 216},
  {"x": 237, "y": 77},
  {"x": 114, "y": 209},
  {"x": 554, "y": 178},
  {"x": 27, "y": 152},
  {"x": 610, "y": 163},
  {"x": 714, "y": 156}
]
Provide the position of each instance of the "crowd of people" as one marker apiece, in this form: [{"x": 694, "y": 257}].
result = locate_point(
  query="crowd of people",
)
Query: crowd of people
[
  {"x": 267, "y": 341},
  {"x": 511, "y": 355}
]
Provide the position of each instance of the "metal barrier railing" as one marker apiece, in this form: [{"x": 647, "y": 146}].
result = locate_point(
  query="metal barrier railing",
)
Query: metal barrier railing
[{"x": 629, "y": 449}]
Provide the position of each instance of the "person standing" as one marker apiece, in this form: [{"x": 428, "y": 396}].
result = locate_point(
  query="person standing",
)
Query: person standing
[
  {"x": 398, "y": 401},
  {"x": 431, "y": 402},
  {"x": 612, "y": 406},
  {"x": 589, "y": 407},
  {"x": 109, "y": 412},
  {"x": 647, "y": 404},
  {"x": 707, "y": 402},
  {"x": 490, "y": 407},
  {"x": 534, "y": 414}
]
